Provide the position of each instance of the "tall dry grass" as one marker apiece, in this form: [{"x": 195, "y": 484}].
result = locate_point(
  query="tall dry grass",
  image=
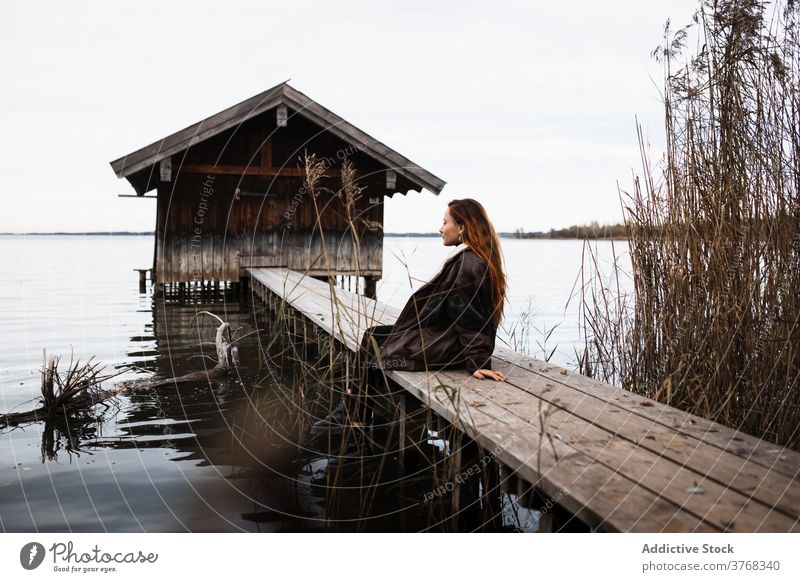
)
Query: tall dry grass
[{"x": 714, "y": 232}]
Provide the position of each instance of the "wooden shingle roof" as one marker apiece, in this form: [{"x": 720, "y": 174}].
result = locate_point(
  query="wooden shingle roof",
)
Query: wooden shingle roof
[{"x": 282, "y": 94}]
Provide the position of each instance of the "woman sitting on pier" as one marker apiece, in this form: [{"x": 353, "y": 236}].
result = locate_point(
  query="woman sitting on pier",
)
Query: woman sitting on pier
[{"x": 451, "y": 322}]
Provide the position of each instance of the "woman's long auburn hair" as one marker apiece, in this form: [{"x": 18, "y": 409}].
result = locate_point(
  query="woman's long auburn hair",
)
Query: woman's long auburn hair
[{"x": 480, "y": 236}]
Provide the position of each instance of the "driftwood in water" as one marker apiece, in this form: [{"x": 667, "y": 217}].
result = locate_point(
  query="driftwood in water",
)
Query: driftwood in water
[
  {"x": 227, "y": 358},
  {"x": 79, "y": 387}
]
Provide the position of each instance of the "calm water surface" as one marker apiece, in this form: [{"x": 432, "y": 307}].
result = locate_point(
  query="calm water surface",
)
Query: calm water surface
[{"x": 196, "y": 458}]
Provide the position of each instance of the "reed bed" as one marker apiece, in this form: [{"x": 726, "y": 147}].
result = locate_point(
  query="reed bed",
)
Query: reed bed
[{"x": 714, "y": 232}]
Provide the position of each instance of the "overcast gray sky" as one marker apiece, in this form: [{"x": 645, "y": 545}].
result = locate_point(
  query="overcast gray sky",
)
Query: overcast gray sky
[{"x": 527, "y": 106}]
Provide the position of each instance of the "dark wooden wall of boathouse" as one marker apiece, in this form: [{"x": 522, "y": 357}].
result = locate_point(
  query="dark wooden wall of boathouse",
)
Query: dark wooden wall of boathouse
[
  {"x": 232, "y": 192},
  {"x": 239, "y": 200}
]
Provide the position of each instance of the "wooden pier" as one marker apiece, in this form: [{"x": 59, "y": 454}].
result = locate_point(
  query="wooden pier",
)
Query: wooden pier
[{"x": 566, "y": 444}]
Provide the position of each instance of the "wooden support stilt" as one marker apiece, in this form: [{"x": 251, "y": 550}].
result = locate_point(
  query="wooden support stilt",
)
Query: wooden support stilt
[
  {"x": 524, "y": 494},
  {"x": 370, "y": 287},
  {"x": 455, "y": 476},
  {"x": 244, "y": 290},
  {"x": 347, "y": 371},
  {"x": 331, "y": 362},
  {"x": 508, "y": 481},
  {"x": 304, "y": 350},
  {"x": 545, "y": 514},
  {"x": 142, "y": 280},
  {"x": 293, "y": 331},
  {"x": 402, "y": 441}
]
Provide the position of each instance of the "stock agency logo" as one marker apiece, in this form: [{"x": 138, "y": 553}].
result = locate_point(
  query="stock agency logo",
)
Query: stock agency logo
[
  {"x": 67, "y": 558},
  {"x": 31, "y": 555}
]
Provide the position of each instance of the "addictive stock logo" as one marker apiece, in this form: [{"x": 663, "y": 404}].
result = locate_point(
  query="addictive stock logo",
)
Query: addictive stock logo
[{"x": 31, "y": 555}]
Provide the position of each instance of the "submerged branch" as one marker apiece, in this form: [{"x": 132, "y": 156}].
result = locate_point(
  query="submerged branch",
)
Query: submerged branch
[{"x": 80, "y": 386}]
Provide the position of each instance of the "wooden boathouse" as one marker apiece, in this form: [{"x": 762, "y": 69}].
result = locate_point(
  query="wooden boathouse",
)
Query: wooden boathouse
[{"x": 230, "y": 194}]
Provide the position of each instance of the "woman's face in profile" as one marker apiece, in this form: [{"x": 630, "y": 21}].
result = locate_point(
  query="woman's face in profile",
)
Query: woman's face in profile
[{"x": 449, "y": 230}]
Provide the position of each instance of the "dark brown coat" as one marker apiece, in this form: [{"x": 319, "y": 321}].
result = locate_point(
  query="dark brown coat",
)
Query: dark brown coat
[{"x": 450, "y": 317}]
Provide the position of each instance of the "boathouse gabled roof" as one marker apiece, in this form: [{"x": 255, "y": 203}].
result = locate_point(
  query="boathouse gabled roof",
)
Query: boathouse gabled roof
[{"x": 282, "y": 94}]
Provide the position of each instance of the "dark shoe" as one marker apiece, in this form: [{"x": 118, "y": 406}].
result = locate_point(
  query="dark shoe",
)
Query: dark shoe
[
  {"x": 336, "y": 420},
  {"x": 355, "y": 454}
]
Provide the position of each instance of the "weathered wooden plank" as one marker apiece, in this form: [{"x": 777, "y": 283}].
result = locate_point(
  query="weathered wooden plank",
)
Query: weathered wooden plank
[
  {"x": 355, "y": 313},
  {"x": 159, "y": 260},
  {"x": 266, "y": 154},
  {"x": 719, "y": 503},
  {"x": 553, "y": 466},
  {"x": 294, "y": 297},
  {"x": 741, "y": 444},
  {"x": 165, "y": 170},
  {"x": 727, "y": 469},
  {"x": 354, "y": 305},
  {"x": 253, "y": 171}
]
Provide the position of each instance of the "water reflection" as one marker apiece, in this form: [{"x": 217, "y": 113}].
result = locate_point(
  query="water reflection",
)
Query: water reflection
[
  {"x": 64, "y": 436},
  {"x": 229, "y": 455}
]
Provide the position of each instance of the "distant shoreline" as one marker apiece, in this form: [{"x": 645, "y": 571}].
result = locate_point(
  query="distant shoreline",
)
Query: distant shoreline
[{"x": 527, "y": 235}]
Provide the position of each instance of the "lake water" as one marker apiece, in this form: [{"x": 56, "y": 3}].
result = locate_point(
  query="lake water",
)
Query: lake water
[{"x": 193, "y": 458}]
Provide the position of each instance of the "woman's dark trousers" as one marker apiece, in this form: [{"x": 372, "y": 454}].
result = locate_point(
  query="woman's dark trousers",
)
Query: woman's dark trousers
[
  {"x": 371, "y": 389},
  {"x": 368, "y": 386}
]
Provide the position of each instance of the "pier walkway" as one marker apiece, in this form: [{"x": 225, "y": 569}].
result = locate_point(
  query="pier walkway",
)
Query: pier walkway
[{"x": 614, "y": 460}]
